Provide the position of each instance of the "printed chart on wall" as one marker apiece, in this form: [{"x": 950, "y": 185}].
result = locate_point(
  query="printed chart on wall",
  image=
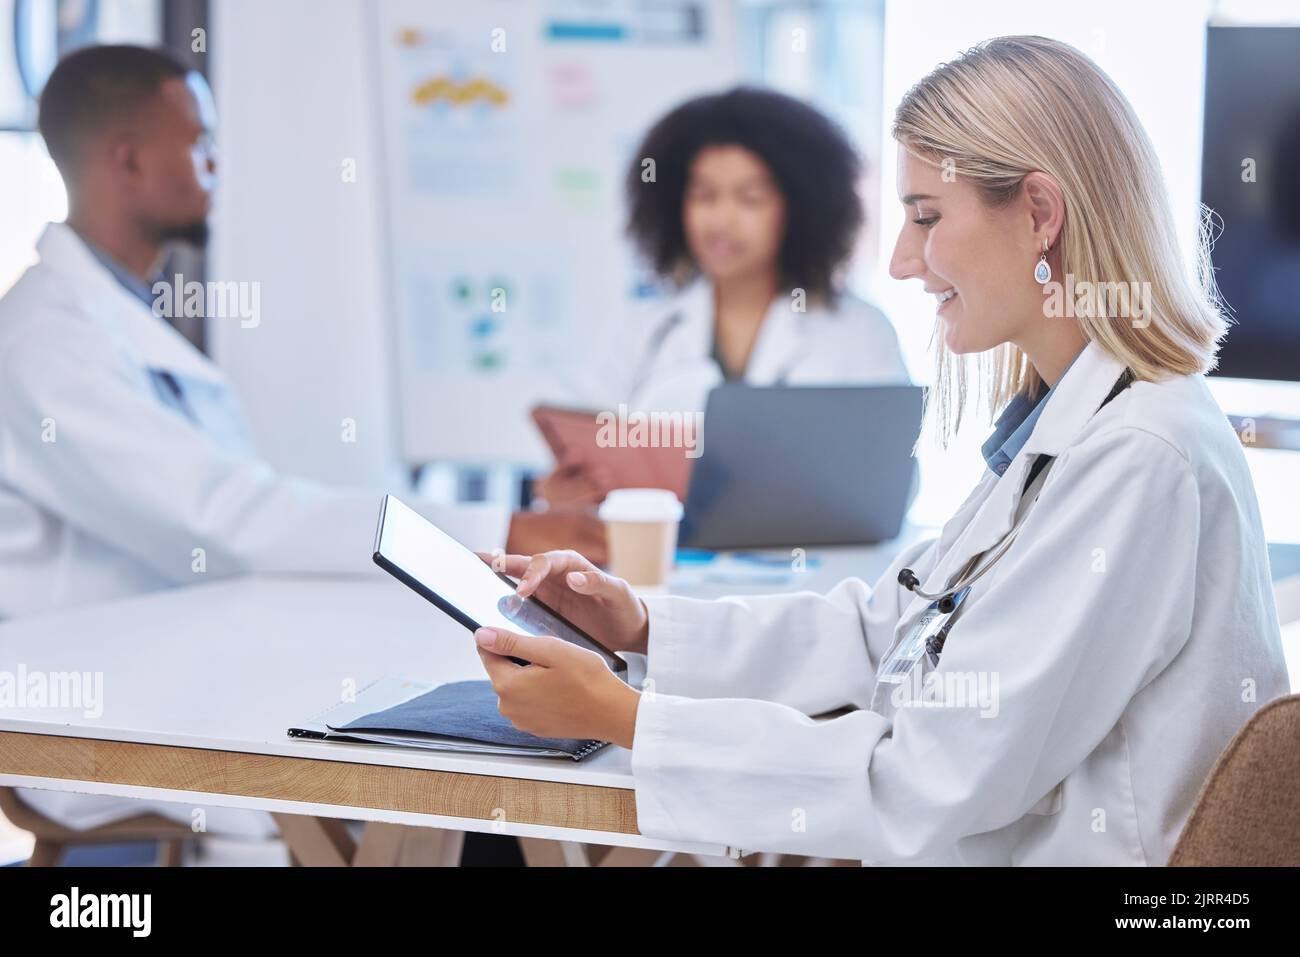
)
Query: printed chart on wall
[{"x": 507, "y": 127}]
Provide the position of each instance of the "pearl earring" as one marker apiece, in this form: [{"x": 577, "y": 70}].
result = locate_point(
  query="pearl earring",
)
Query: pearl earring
[{"x": 1043, "y": 271}]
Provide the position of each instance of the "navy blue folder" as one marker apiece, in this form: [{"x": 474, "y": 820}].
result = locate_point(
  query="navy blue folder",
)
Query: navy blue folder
[{"x": 459, "y": 716}]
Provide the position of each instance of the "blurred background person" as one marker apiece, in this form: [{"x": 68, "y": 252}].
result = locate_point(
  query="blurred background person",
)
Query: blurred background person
[
  {"x": 746, "y": 204},
  {"x": 126, "y": 462}
]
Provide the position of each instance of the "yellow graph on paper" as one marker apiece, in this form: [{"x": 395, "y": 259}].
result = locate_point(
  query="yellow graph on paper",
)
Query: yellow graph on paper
[{"x": 473, "y": 90}]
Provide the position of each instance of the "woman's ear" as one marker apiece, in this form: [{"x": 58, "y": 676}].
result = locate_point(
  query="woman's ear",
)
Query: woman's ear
[{"x": 1046, "y": 207}]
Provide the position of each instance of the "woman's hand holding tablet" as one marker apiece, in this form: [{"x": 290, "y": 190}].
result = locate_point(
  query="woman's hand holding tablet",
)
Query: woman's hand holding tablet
[
  {"x": 597, "y": 603},
  {"x": 565, "y": 690},
  {"x": 552, "y": 678}
]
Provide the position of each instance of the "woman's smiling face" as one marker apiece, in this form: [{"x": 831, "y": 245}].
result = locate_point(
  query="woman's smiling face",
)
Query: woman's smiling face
[{"x": 976, "y": 259}]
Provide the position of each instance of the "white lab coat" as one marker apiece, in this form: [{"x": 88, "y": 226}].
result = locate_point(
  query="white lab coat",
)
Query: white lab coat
[
  {"x": 1130, "y": 629},
  {"x": 107, "y": 492},
  {"x": 662, "y": 358}
]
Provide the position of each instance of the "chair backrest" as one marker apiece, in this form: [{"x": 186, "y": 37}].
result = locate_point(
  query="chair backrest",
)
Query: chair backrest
[
  {"x": 19, "y": 814},
  {"x": 1248, "y": 812}
]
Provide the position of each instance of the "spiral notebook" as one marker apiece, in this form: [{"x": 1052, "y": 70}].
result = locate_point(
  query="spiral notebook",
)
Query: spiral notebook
[{"x": 460, "y": 716}]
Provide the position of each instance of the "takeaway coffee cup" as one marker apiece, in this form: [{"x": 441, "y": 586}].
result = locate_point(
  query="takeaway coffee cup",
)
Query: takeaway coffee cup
[{"x": 641, "y": 531}]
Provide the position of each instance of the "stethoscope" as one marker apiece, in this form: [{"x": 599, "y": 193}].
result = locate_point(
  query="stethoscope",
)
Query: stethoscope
[
  {"x": 660, "y": 336},
  {"x": 654, "y": 347},
  {"x": 948, "y": 599},
  {"x": 974, "y": 571}
]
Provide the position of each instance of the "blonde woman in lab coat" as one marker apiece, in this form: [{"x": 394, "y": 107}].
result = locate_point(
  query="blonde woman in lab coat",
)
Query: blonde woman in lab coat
[
  {"x": 746, "y": 202},
  {"x": 1124, "y": 634}
]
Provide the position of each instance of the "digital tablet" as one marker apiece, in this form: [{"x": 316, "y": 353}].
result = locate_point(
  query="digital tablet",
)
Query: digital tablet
[{"x": 443, "y": 571}]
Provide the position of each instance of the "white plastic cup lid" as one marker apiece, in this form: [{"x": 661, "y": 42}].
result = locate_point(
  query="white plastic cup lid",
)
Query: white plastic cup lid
[{"x": 641, "y": 505}]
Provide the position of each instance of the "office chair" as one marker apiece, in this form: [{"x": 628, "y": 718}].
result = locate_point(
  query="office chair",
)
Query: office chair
[
  {"x": 1248, "y": 811},
  {"x": 53, "y": 840}
]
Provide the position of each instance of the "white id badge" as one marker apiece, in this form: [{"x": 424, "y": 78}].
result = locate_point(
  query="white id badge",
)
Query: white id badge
[{"x": 932, "y": 624}]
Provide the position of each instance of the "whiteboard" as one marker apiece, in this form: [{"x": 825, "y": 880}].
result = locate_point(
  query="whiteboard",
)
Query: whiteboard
[{"x": 506, "y": 130}]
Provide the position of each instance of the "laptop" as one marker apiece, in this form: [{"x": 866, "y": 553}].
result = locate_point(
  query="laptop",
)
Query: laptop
[{"x": 803, "y": 466}]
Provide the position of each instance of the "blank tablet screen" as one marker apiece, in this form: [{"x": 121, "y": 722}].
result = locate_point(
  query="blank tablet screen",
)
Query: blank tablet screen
[{"x": 442, "y": 570}]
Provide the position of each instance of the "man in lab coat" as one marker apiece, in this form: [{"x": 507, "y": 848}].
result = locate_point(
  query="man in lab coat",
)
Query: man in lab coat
[{"x": 126, "y": 463}]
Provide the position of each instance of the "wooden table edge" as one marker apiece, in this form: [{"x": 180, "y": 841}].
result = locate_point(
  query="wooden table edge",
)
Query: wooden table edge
[{"x": 342, "y": 784}]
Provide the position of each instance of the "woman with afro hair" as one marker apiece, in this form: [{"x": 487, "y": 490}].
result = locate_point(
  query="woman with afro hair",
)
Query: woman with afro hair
[{"x": 745, "y": 203}]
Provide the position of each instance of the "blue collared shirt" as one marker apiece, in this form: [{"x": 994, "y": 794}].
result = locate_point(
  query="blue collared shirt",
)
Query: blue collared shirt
[
  {"x": 203, "y": 403},
  {"x": 1014, "y": 426},
  {"x": 126, "y": 279}
]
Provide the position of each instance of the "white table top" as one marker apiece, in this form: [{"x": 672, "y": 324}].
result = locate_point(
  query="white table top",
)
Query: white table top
[{"x": 231, "y": 665}]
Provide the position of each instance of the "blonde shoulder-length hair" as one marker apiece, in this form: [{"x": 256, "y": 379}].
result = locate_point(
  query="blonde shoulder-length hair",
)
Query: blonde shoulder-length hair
[{"x": 1013, "y": 105}]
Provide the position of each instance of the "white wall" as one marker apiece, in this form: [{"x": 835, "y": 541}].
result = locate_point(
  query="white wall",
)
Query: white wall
[{"x": 293, "y": 87}]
